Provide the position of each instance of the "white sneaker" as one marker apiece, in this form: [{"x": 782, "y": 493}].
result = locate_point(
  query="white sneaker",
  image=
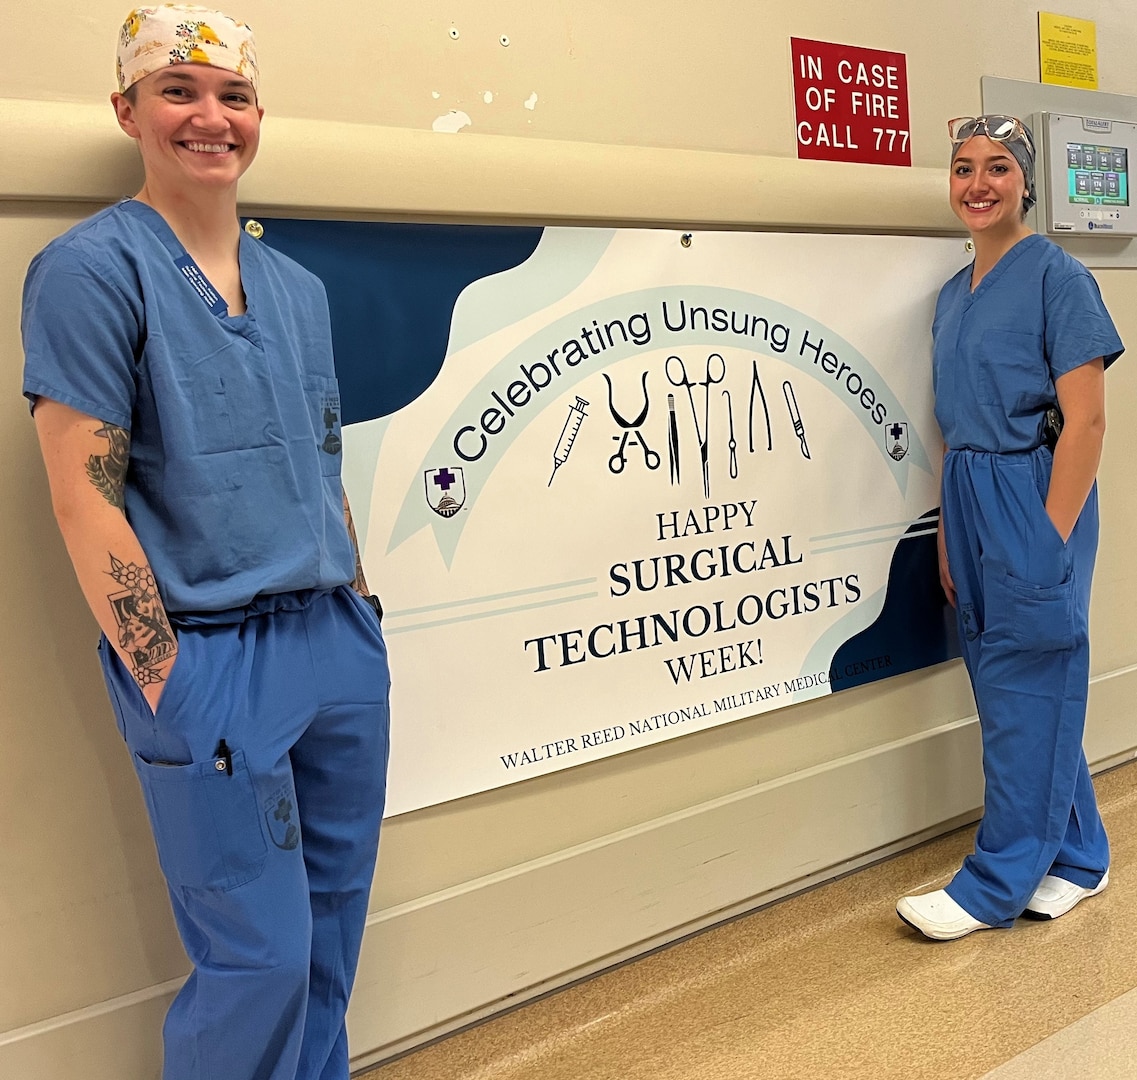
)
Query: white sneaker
[
  {"x": 1055, "y": 896},
  {"x": 937, "y": 916}
]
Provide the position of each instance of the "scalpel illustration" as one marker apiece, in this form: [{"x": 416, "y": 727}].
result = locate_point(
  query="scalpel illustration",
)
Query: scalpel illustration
[{"x": 795, "y": 417}]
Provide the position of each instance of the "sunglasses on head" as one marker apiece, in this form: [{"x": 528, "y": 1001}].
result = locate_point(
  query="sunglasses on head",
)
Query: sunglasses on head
[{"x": 995, "y": 126}]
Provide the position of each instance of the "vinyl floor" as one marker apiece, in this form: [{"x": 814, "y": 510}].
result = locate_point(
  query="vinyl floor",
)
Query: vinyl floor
[{"x": 831, "y": 984}]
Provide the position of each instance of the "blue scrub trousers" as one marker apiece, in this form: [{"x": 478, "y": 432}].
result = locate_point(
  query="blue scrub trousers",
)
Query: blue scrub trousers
[
  {"x": 269, "y": 868},
  {"x": 1023, "y": 610}
]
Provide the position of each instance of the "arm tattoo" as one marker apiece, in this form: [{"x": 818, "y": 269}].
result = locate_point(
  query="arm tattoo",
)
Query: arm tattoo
[
  {"x": 107, "y": 472},
  {"x": 360, "y": 582},
  {"x": 144, "y": 632}
]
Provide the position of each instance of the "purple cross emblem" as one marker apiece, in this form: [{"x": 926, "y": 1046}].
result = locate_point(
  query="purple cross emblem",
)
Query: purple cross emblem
[{"x": 445, "y": 479}]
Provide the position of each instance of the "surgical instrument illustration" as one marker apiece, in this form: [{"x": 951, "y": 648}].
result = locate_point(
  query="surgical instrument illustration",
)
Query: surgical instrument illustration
[
  {"x": 756, "y": 383},
  {"x": 701, "y": 432},
  {"x": 631, "y": 428},
  {"x": 795, "y": 416},
  {"x": 672, "y": 440},
  {"x": 732, "y": 444},
  {"x": 568, "y": 435}
]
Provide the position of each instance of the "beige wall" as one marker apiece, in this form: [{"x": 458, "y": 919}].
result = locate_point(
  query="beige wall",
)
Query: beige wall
[{"x": 640, "y": 115}]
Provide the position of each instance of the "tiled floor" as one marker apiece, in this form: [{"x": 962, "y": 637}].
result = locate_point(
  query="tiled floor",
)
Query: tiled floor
[{"x": 832, "y": 984}]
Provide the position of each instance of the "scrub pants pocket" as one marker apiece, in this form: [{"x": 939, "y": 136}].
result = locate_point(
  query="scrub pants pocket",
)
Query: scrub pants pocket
[
  {"x": 1036, "y": 618},
  {"x": 206, "y": 823}
]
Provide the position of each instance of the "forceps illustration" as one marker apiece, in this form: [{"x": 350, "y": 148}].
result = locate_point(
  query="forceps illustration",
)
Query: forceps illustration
[
  {"x": 795, "y": 417},
  {"x": 756, "y": 384},
  {"x": 672, "y": 440},
  {"x": 702, "y": 433},
  {"x": 631, "y": 428}
]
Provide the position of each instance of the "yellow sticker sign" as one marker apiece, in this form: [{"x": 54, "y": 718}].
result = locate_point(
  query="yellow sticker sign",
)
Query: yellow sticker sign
[{"x": 1067, "y": 51}]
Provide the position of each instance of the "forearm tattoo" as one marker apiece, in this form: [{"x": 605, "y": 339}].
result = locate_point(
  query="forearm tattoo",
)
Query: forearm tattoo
[
  {"x": 360, "y": 582},
  {"x": 144, "y": 632},
  {"x": 107, "y": 472}
]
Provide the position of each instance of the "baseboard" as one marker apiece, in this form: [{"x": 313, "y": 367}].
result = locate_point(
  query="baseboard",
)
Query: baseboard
[
  {"x": 472, "y": 951},
  {"x": 449, "y": 959}
]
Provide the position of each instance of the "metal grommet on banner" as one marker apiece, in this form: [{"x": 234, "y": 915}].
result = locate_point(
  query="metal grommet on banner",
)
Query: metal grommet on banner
[
  {"x": 969, "y": 246},
  {"x": 686, "y": 239},
  {"x": 454, "y": 33},
  {"x": 254, "y": 228},
  {"x": 504, "y": 39}
]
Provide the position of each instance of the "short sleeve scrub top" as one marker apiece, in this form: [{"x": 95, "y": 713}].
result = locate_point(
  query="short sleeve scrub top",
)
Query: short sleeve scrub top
[{"x": 1022, "y": 594}]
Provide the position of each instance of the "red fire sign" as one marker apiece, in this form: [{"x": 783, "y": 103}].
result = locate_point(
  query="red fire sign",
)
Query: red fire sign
[{"x": 850, "y": 104}]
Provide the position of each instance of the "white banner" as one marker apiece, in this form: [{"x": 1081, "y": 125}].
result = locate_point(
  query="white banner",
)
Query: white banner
[{"x": 655, "y": 487}]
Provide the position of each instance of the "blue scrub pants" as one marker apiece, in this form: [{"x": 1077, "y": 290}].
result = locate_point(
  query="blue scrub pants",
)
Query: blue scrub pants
[
  {"x": 1023, "y": 609},
  {"x": 269, "y": 867}
]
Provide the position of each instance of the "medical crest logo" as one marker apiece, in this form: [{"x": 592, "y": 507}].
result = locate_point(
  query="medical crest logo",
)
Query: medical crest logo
[
  {"x": 445, "y": 490},
  {"x": 330, "y": 410},
  {"x": 896, "y": 440},
  {"x": 280, "y": 815}
]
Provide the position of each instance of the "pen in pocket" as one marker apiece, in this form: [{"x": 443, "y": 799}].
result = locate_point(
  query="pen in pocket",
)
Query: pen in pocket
[{"x": 224, "y": 758}]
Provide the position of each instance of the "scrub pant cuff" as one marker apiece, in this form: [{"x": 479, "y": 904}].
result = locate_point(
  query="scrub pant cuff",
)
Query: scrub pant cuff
[
  {"x": 1084, "y": 879},
  {"x": 959, "y": 890}
]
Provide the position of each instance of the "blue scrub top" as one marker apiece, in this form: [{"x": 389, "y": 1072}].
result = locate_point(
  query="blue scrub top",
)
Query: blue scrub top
[
  {"x": 998, "y": 350},
  {"x": 233, "y": 487}
]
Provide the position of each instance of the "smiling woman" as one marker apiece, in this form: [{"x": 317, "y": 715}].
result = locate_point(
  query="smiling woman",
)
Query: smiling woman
[
  {"x": 990, "y": 191},
  {"x": 1021, "y": 344},
  {"x": 198, "y": 130},
  {"x": 185, "y": 397}
]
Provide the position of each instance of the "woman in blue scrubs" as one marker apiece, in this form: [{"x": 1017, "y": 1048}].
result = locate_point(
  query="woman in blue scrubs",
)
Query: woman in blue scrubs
[
  {"x": 1022, "y": 341},
  {"x": 181, "y": 377}
]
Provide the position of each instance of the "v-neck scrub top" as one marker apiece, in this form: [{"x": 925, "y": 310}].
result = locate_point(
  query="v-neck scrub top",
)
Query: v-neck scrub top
[
  {"x": 233, "y": 486},
  {"x": 1036, "y": 315}
]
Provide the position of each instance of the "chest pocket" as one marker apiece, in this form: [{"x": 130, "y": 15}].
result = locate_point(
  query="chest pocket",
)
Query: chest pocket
[
  {"x": 231, "y": 401},
  {"x": 323, "y": 396},
  {"x": 1011, "y": 373}
]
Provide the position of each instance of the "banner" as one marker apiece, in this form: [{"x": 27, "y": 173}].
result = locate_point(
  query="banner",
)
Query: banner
[{"x": 632, "y": 484}]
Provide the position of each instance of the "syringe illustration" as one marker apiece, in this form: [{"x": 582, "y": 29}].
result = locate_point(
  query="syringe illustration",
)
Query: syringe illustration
[{"x": 568, "y": 435}]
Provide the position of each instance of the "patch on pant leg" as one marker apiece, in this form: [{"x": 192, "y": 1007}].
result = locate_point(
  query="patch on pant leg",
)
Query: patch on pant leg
[
  {"x": 970, "y": 622},
  {"x": 280, "y": 814}
]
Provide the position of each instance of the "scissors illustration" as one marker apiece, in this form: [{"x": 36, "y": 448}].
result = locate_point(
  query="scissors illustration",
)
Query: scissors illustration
[
  {"x": 631, "y": 431},
  {"x": 677, "y": 376}
]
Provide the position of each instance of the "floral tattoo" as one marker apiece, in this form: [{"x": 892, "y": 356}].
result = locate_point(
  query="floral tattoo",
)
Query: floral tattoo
[{"x": 144, "y": 632}]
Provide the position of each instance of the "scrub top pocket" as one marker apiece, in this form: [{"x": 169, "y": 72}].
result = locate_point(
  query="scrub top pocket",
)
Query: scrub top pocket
[
  {"x": 206, "y": 823},
  {"x": 324, "y": 404},
  {"x": 1012, "y": 373},
  {"x": 222, "y": 402}
]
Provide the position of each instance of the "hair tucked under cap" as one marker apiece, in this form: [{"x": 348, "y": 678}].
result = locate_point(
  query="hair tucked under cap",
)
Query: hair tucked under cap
[
  {"x": 153, "y": 38},
  {"x": 1021, "y": 148}
]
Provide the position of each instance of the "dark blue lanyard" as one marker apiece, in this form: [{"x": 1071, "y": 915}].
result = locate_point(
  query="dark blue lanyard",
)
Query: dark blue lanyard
[{"x": 202, "y": 286}]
